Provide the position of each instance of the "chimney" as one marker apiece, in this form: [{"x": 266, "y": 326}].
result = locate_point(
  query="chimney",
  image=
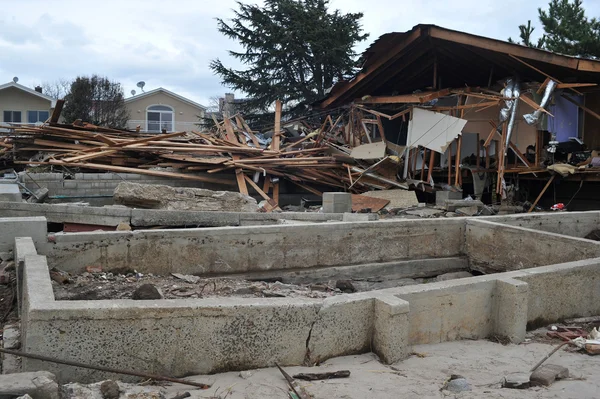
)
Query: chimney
[{"x": 38, "y": 89}]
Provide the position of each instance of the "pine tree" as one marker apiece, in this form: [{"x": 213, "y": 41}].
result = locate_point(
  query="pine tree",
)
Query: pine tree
[
  {"x": 96, "y": 100},
  {"x": 294, "y": 50},
  {"x": 567, "y": 30},
  {"x": 525, "y": 35}
]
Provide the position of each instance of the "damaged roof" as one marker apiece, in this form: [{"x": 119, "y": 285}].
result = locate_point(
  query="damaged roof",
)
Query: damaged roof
[{"x": 400, "y": 63}]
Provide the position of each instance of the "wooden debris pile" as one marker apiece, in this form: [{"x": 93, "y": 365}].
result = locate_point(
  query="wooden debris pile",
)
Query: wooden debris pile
[{"x": 230, "y": 155}]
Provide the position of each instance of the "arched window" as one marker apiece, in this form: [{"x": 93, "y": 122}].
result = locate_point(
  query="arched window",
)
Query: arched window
[{"x": 159, "y": 118}]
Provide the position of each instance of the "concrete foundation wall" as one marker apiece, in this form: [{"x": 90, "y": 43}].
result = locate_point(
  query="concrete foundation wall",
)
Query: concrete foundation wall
[
  {"x": 113, "y": 215},
  {"x": 575, "y": 224},
  {"x": 497, "y": 247},
  {"x": 224, "y": 250},
  {"x": 13, "y": 227},
  {"x": 232, "y": 333}
]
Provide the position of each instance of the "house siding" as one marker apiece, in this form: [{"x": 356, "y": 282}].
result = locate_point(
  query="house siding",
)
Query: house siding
[
  {"x": 13, "y": 99},
  {"x": 185, "y": 115}
]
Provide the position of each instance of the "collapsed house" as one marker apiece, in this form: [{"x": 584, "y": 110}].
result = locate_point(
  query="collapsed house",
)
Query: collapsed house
[{"x": 468, "y": 112}]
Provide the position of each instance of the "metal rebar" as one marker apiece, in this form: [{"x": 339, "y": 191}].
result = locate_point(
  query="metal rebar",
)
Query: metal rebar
[{"x": 101, "y": 368}]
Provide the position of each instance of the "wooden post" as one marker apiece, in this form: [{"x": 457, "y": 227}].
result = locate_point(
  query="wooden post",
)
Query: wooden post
[
  {"x": 276, "y": 192},
  {"x": 449, "y": 159},
  {"x": 457, "y": 161},
  {"x": 415, "y": 156},
  {"x": 478, "y": 152},
  {"x": 431, "y": 160},
  {"x": 537, "y": 148},
  {"x": 423, "y": 163},
  {"x": 277, "y": 132},
  {"x": 541, "y": 193}
]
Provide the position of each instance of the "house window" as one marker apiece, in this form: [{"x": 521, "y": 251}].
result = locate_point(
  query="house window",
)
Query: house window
[
  {"x": 159, "y": 117},
  {"x": 37, "y": 116},
  {"x": 12, "y": 116}
]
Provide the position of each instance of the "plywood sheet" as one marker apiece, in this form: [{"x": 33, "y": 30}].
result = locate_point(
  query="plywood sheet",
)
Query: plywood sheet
[
  {"x": 369, "y": 151},
  {"x": 362, "y": 202}
]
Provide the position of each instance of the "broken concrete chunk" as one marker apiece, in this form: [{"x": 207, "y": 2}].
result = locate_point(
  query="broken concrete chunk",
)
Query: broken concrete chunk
[
  {"x": 453, "y": 276},
  {"x": 467, "y": 211},
  {"x": 516, "y": 381},
  {"x": 123, "y": 226},
  {"x": 110, "y": 390},
  {"x": 424, "y": 212},
  {"x": 345, "y": 286},
  {"x": 188, "y": 278},
  {"x": 547, "y": 374},
  {"x": 457, "y": 384},
  {"x": 145, "y": 292},
  {"x": 39, "y": 384},
  {"x": 246, "y": 374},
  {"x": 157, "y": 196}
]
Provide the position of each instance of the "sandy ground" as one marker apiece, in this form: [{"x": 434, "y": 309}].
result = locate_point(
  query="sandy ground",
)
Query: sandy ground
[
  {"x": 398, "y": 198},
  {"x": 482, "y": 363}
]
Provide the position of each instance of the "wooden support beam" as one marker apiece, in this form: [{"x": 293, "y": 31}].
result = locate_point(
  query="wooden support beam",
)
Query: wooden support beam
[
  {"x": 57, "y": 111},
  {"x": 277, "y": 131},
  {"x": 255, "y": 187},
  {"x": 539, "y": 197},
  {"x": 583, "y": 107},
  {"x": 401, "y": 113},
  {"x": 418, "y": 98},
  {"x": 541, "y": 72},
  {"x": 457, "y": 161},
  {"x": 533, "y": 104},
  {"x": 276, "y": 193},
  {"x": 468, "y": 106}
]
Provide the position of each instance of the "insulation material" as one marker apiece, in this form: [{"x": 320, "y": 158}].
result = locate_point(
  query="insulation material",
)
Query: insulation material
[{"x": 433, "y": 130}]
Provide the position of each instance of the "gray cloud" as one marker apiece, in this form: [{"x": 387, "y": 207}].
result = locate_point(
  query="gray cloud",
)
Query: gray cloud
[{"x": 171, "y": 44}]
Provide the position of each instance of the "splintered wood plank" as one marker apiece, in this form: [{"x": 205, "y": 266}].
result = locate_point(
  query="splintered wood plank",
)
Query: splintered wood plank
[
  {"x": 239, "y": 175},
  {"x": 541, "y": 194},
  {"x": 363, "y": 202},
  {"x": 123, "y": 169},
  {"x": 57, "y": 111},
  {"x": 255, "y": 187}
]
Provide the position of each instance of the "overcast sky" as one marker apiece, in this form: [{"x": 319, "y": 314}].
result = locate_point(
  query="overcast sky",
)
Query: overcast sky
[{"x": 170, "y": 43}]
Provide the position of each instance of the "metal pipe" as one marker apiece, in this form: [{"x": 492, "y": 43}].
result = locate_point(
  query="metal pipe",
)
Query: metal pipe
[
  {"x": 106, "y": 369},
  {"x": 533, "y": 117},
  {"x": 508, "y": 94},
  {"x": 516, "y": 93}
]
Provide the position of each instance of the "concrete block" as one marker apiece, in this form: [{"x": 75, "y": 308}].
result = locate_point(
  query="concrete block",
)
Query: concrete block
[
  {"x": 453, "y": 205},
  {"x": 442, "y": 196},
  {"x": 10, "y": 228},
  {"x": 11, "y": 339},
  {"x": 391, "y": 329},
  {"x": 547, "y": 374},
  {"x": 82, "y": 185},
  {"x": 438, "y": 310},
  {"x": 344, "y": 325},
  {"x": 39, "y": 384},
  {"x": 10, "y": 193},
  {"x": 360, "y": 217},
  {"x": 70, "y": 184},
  {"x": 510, "y": 308},
  {"x": 337, "y": 202}
]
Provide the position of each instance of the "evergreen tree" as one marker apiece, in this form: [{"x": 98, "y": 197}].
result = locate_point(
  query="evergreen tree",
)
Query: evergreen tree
[
  {"x": 294, "y": 50},
  {"x": 96, "y": 100},
  {"x": 567, "y": 30},
  {"x": 525, "y": 35}
]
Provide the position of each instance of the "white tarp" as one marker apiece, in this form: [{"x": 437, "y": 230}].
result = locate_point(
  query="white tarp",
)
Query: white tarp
[{"x": 433, "y": 130}]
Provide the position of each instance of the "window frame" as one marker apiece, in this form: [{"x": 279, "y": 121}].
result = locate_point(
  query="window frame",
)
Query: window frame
[
  {"x": 12, "y": 113},
  {"x": 171, "y": 112},
  {"x": 37, "y": 115}
]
